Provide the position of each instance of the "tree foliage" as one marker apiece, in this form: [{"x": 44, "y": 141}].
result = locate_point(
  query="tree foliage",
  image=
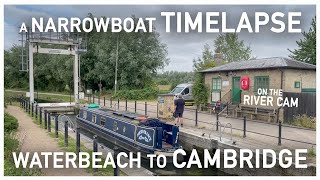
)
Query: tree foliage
[
  {"x": 140, "y": 55},
  {"x": 200, "y": 91},
  {"x": 174, "y": 78},
  {"x": 206, "y": 61},
  {"x": 306, "y": 51},
  {"x": 231, "y": 47}
]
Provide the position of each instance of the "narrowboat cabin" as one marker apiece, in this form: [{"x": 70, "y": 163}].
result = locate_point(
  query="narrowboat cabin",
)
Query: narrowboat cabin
[{"x": 132, "y": 132}]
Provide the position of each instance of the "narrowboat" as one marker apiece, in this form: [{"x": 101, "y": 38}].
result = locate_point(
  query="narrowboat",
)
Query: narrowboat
[{"x": 133, "y": 132}]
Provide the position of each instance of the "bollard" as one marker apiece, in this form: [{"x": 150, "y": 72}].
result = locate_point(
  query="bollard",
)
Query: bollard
[
  {"x": 99, "y": 100},
  {"x": 45, "y": 119},
  {"x": 244, "y": 126},
  {"x": 126, "y": 105},
  {"x": 66, "y": 133},
  {"x": 227, "y": 109},
  {"x": 49, "y": 122},
  {"x": 88, "y": 98},
  {"x": 279, "y": 138},
  {"x": 135, "y": 106},
  {"x": 110, "y": 102},
  {"x": 93, "y": 98},
  {"x": 40, "y": 116},
  {"x": 31, "y": 109},
  {"x": 217, "y": 123},
  {"x": 157, "y": 110},
  {"x": 145, "y": 108},
  {"x": 95, "y": 146},
  {"x": 78, "y": 141},
  {"x": 56, "y": 125},
  {"x": 104, "y": 101},
  {"x": 196, "y": 116},
  {"x": 118, "y": 103},
  {"x": 36, "y": 111},
  {"x": 115, "y": 154}
]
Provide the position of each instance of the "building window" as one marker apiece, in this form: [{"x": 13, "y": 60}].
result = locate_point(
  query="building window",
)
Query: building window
[
  {"x": 102, "y": 122},
  {"x": 94, "y": 118},
  {"x": 297, "y": 84},
  {"x": 261, "y": 82},
  {"x": 216, "y": 84}
]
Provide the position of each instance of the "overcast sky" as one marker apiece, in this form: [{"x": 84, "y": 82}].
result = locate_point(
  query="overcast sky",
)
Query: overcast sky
[{"x": 182, "y": 47}]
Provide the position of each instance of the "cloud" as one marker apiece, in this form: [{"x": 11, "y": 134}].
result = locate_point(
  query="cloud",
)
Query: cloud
[{"x": 182, "y": 47}]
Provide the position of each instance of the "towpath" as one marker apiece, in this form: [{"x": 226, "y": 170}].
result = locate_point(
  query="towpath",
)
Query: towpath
[{"x": 35, "y": 139}]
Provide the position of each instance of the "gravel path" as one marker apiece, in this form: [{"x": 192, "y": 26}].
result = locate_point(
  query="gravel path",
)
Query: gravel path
[{"x": 36, "y": 139}]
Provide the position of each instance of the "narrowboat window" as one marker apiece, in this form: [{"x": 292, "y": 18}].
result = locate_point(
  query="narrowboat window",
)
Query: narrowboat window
[
  {"x": 94, "y": 118},
  {"x": 102, "y": 122},
  {"x": 84, "y": 115},
  {"x": 115, "y": 127}
]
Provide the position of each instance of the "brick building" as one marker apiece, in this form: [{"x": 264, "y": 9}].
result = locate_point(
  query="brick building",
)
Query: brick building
[{"x": 267, "y": 73}]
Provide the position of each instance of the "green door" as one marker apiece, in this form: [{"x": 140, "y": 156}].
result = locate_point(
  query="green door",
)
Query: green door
[{"x": 236, "y": 91}]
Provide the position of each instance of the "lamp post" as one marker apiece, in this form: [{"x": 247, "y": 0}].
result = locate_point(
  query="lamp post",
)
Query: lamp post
[{"x": 116, "y": 72}]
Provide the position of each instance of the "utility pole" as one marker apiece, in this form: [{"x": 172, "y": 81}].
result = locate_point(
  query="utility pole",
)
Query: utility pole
[
  {"x": 116, "y": 73},
  {"x": 100, "y": 86}
]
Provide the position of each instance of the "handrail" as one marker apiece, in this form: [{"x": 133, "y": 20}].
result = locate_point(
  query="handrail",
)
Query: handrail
[{"x": 228, "y": 125}]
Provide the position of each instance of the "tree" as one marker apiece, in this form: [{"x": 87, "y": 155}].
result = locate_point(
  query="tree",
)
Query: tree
[
  {"x": 306, "y": 51},
  {"x": 231, "y": 47},
  {"x": 140, "y": 55},
  {"x": 206, "y": 61},
  {"x": 200, "y": 91}
]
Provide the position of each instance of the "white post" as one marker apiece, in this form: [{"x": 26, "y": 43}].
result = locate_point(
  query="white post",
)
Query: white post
[
  {"x": 76, "y": 75},
  {"x": 31, "y": 82}
]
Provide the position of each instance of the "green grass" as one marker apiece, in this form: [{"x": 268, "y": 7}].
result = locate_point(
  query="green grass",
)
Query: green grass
[
  {"x": 311, "y": 152},
  {"x": 304, "y": 121},
  {"x": 45, "y": 97}
]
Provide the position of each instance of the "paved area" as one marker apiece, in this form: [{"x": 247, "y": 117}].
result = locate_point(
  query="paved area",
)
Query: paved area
[
  {"x": 30, "y": 132},
  {"x": 264, "y": 134}
]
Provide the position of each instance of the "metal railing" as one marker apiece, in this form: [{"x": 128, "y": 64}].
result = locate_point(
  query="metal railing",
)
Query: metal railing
[{"x": 146, "y": 109}]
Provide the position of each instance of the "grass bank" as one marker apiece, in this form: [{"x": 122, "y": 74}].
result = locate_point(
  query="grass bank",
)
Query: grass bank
[{"x": 12, "y": 144}]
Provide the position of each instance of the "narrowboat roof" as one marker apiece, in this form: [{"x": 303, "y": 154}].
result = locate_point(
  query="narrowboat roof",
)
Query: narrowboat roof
[{"x": 124, "y": 115}]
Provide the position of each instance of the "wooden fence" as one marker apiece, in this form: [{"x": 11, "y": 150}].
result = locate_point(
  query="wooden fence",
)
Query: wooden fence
[{"x": 306, "y": 105}]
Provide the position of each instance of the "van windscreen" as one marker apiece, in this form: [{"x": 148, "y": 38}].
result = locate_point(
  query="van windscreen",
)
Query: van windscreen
[{"x": 176, "y": 90}]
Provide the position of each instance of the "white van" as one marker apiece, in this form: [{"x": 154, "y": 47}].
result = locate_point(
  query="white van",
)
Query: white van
[{"x": 185, "y": 90}]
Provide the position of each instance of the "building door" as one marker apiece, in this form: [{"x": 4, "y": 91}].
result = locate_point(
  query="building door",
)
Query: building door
[{"x": 236, "y": 91}]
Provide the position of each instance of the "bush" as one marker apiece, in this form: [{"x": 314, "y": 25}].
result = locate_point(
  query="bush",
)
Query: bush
[
  {"x": 200, "y": 90},
  {"x": 139, "y": 94},
  {"x": 11, "y": 144},
  {"x": 10, "y": 123},
  {"x": 163, "y": 82},
  {"x": 305, "y": 121}
]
